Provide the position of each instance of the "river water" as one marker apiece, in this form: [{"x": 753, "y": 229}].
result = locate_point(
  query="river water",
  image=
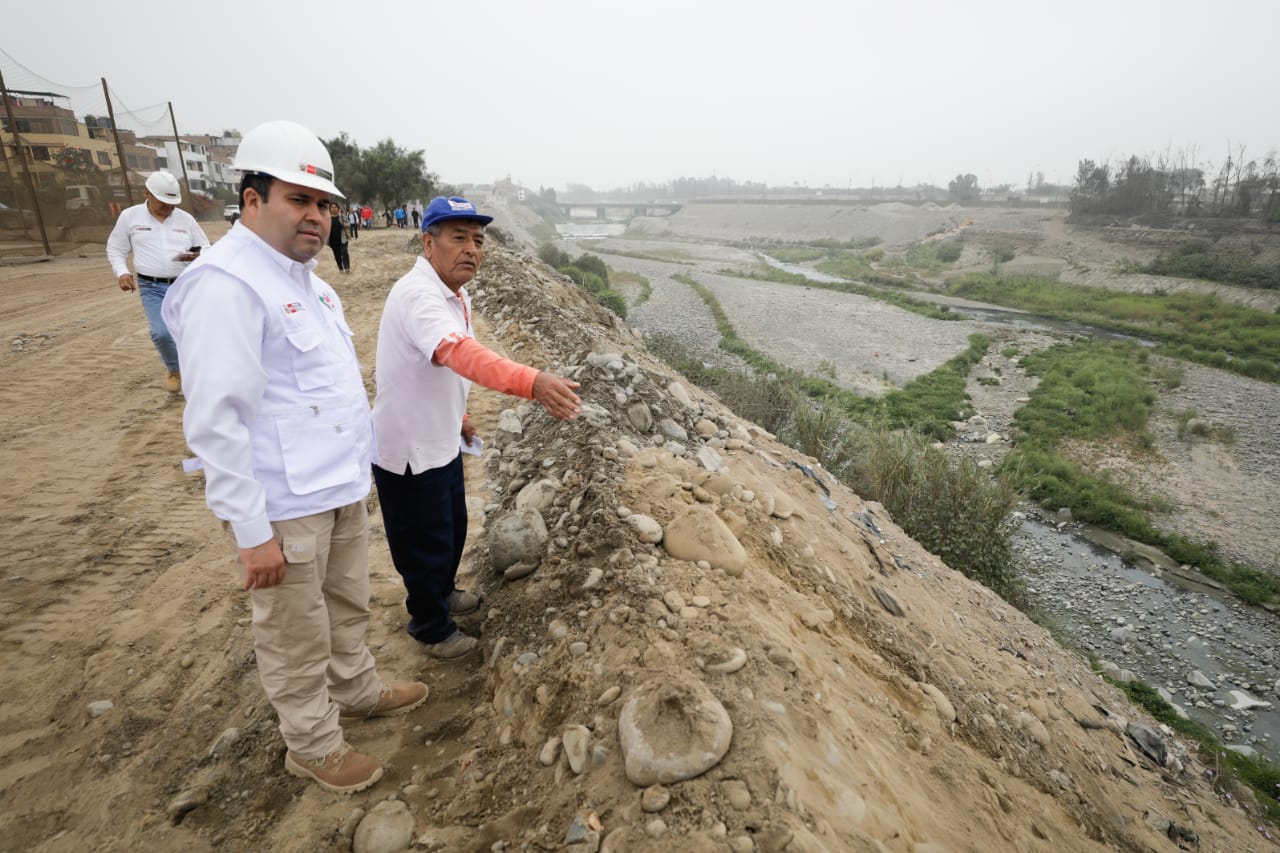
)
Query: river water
[{"x": 1159, "y": 631}]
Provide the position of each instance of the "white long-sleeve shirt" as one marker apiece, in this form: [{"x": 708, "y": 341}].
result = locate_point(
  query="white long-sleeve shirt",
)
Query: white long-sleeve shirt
[
  {"x": 276, "y": 406},
  {"x": 154, "y": 243}
]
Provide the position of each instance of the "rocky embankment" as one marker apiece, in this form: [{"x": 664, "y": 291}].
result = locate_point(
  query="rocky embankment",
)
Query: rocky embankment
[{"x": 696, "y": 640}]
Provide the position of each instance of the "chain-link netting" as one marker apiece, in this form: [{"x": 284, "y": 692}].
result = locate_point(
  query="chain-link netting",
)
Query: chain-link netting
[{"x": 74, "y": 156}]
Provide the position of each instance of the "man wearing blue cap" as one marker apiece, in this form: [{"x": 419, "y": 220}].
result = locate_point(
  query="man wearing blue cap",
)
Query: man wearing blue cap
[{"x": 427, "y": 359}]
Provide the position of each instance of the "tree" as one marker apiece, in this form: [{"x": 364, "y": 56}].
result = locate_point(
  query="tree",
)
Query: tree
[
  {"x": 1090, "y": 190},
  {"x": 964, "y": 187},
  {"x": 396, "y": 175},
  {"x": 386, "y": 173},
  {"x": 347, "y": 167}
]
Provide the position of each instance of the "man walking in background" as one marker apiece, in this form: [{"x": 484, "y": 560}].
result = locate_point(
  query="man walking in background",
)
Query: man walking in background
[
  {"x": 427, "y": 359},
  {"x": 163, "y": 240},
  {"x": 278, "y": 416}
]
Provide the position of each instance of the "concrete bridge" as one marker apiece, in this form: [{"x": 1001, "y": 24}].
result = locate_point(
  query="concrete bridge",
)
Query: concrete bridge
[{"x": 601, "y": 210}]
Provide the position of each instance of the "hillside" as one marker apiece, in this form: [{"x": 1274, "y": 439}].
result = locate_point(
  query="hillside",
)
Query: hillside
[{"x": 706, "y": 600}]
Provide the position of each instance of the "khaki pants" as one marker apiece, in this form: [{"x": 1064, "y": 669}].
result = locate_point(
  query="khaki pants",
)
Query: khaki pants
[{"x": 309, "y": 631}]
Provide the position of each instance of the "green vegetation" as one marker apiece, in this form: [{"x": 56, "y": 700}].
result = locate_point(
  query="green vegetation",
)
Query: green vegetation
[
  {"x": 1197, "y": 327},
  {"x": 1256, "y": 773},
  {"x": 851, "y": 265},
  {"x": 385, "y": 173},
  {"x": 881, "y": 448},
  {"x": 641, "y": 283},
  {"x": 952, "y": 507},
  {"x": 915, "y": 306},
  {"x": 1096, "y": 391},
  {"x": 933, "y": 255},
  {"x": 796, "y": 254},
  {"x": 589, "y": 273},
  {"x": 1197, "y": 259},
  {"x": 668, "y": 256}
]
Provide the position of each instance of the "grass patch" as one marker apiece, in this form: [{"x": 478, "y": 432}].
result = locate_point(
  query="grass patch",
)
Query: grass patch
[
  {"x": 796, "y": 254},
  {"x": 1197, "y": 327},
  {"x": 906, "y": 303},
  {"x": 645, "y": 290},
  {"x": 934, "y": 255},
  {"x": 927, "y": 403},
  {"x": 953, "y": 508},
  {"x": 1092, "y": 391},
  {"x": 669, "y": 256},
  {"x": 1198, "y": 259}
]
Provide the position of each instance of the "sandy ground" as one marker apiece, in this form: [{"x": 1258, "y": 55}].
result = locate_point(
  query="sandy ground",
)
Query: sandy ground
[{"x": 956, "y": 725}]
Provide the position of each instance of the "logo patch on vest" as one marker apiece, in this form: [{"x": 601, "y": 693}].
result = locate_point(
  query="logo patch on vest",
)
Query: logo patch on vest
[
  {"x": 327, "y": 302},
  {"x": 292, "y": 307}
]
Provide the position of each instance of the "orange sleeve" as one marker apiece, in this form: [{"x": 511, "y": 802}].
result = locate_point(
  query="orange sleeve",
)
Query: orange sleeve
[{"x": 467, "y": 357}]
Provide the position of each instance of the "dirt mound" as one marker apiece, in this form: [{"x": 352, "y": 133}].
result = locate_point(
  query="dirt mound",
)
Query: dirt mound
[{"x": 870, "y": 698}]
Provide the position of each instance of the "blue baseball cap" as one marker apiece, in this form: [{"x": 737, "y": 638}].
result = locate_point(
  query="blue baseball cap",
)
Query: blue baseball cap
[{"x": 442, "y": 209}]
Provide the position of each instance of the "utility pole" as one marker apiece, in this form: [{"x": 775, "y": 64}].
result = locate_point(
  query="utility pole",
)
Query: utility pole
[
  {"x": 115, "y": 131},
  {"x": 26, "y": 171},
  {"x": 191, "y": 208},
  {"x": 13, "y": 182}
]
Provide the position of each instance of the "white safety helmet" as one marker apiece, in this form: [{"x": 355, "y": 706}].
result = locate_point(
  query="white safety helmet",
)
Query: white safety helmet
[
  {"x": 164, "y": 186},
  {"x": 288, "y": 151}
]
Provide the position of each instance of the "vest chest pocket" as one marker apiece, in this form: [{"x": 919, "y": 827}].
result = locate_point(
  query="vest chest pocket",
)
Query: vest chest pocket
[
  {"x": 319, "y": 448},
  {"x": 312, "y": 365}
]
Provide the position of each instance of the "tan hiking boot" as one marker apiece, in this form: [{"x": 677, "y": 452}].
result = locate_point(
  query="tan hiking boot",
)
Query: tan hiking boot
[
  {"x": 343, "y": 771},
  {"x": 462, "y": 602},
  {"x": 173, "y": 382},
  {"x": 453, "y": 646},
  {"x": 394, "y": 700}
]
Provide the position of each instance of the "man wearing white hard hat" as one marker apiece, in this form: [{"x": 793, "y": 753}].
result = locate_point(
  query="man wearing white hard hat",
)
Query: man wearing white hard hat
[
  {"x": 163, "y": 239},
  {"x": 278, "y": 417}
]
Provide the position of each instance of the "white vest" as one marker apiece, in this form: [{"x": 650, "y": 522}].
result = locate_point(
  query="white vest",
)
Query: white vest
[{"x": 311, "y": 442}]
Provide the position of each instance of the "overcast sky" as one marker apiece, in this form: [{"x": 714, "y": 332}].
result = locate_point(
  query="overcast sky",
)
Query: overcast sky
[{"x": 608, "y": 94}]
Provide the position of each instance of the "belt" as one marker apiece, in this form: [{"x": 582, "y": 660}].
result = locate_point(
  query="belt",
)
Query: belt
[{"x": 156, "y": 279}]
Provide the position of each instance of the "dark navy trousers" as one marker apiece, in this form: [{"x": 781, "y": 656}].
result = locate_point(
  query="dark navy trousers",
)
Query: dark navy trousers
[{"x": 425, "y": 516}]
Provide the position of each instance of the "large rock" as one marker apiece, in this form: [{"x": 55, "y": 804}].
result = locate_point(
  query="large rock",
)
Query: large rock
[
  {"x": 387, "y": 828},
  {"x": 672, "y": 729},
  {"x": 517, "y": 537},
  {"x": 537, "y": 495},
  {"x": 640, "y": 417},
  {"x": 699, "y": 534}
]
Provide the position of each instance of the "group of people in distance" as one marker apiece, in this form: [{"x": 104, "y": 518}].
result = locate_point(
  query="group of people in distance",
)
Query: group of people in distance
[{"x": 278, "y": 418}]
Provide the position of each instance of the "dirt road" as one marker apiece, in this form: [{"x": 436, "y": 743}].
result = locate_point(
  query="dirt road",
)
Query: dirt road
[{"x": 117, "y": 583}]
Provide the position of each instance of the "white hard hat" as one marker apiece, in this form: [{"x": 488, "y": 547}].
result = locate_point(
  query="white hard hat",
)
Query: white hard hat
[
  {"x": 288, "y": 151},
  {"x": 164, "y": 186}
]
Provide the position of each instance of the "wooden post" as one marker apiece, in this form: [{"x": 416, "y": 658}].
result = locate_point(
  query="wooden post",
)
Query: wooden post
[
  {"x": 13, "y": 182},
  {"x": 191, "y": 208},
  {"x": 26, "y": 171},
  {"x": 115, "y": 131}
]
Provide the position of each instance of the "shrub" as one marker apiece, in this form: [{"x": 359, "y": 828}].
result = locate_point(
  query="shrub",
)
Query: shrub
[
  {"x": 592, "y": 264},
  {"x": 614, "y": 301},
  {"x": 552, "y": 256},
  {"x": 952, "y": 507}
]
